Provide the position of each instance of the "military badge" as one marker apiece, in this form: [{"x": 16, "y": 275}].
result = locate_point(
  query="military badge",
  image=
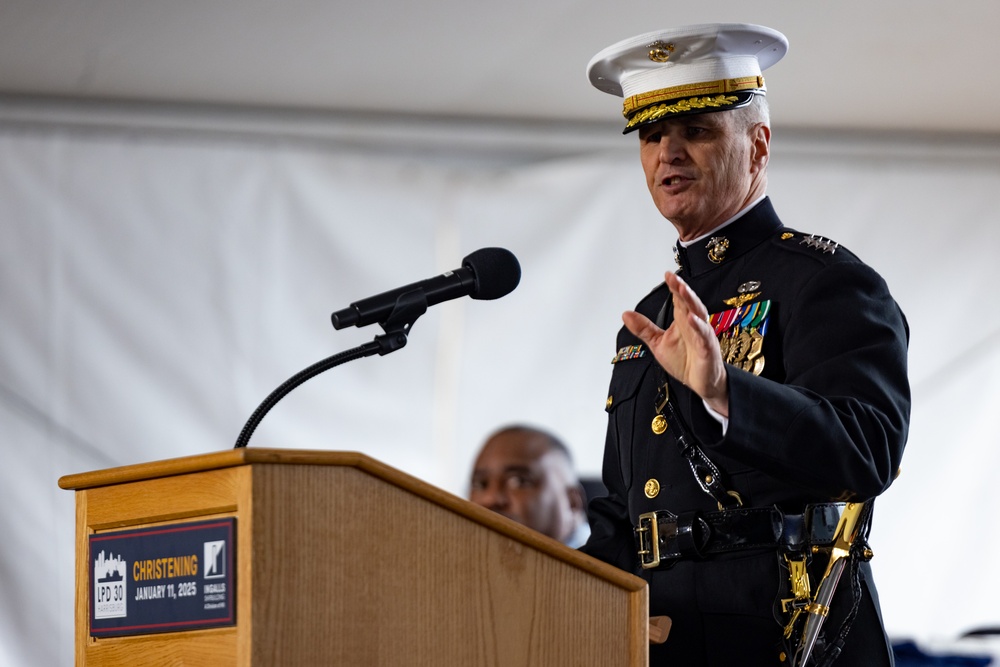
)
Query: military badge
[
  {"x": 629, "y": 352},
  {"x": 741, "y": 333},
  {"x": 820, "y": 243},
  {"x": 746, "y": 293},
  {"x": 717, "y": 247}
]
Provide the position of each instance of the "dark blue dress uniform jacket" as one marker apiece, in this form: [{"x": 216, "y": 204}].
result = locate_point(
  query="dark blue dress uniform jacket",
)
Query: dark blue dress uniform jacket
[{"x": 825, "y": 420}]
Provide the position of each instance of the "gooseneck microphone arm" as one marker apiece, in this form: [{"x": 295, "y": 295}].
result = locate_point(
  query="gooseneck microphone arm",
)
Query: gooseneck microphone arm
[{"x": 409, "y": 306}]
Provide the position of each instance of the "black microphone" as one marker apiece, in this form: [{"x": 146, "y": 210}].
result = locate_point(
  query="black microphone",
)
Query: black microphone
[{"x": 488, "y": 273}]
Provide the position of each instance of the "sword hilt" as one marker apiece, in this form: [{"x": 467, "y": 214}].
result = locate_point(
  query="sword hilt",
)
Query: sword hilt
[{"x": 848, "y": 528}]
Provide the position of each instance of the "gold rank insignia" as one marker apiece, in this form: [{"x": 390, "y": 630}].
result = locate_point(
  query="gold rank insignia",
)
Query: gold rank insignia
[{"x": 741, "y": 333}]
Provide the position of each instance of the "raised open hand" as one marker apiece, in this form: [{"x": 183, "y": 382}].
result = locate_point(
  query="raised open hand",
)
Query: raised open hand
[{"x": 688, "y": 349}]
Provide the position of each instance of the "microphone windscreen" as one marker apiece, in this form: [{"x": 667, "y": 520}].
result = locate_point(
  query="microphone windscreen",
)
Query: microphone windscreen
[{"x": 497, "y": 272}]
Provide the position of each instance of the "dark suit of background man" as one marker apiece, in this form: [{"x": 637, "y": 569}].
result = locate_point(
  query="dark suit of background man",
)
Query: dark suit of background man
[{"x": 764, "y": 381}]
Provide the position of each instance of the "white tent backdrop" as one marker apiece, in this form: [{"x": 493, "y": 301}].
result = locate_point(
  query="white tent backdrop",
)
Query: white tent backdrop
[{"x": 155, "y": 286}]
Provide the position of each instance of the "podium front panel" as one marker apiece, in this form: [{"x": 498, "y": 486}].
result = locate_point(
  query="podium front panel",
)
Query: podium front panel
[{"x": 341, "y": 560}]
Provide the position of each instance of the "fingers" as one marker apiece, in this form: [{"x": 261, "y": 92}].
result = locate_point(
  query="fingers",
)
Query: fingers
[
  {"x": 641, "y": 326},
  {"x": 688, "y": 349},
  {"x": 690, "y": 313},
  {"x": 685, "y": 300}
]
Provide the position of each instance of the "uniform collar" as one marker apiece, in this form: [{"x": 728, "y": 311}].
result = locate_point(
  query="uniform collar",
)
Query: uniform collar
[{"x": 729, "y": 241}]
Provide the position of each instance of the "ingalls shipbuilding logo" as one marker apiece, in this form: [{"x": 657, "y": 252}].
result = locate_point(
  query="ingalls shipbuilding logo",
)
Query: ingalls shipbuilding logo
[
  {"x": 109, "y": 586},
  {"x": 215, "y": 559}
]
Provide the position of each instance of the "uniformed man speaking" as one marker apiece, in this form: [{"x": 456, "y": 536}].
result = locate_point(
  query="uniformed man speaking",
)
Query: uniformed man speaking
[{"x": 759, "y": 400}]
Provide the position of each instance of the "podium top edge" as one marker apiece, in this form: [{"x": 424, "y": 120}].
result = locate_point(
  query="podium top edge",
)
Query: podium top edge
[
  {"x": 211, "y": 461},
  {"x": 251, "y": 455}
]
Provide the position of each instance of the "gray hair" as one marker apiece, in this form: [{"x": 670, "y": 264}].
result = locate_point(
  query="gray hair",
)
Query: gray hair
[{"x": 755, "y": 112}]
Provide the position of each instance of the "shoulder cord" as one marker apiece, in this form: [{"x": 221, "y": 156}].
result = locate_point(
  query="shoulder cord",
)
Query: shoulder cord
[{"x": 706, "y": 473}]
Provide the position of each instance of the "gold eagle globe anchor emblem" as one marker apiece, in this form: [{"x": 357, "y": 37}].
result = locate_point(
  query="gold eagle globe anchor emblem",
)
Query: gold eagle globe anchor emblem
[{"x": 717, "y": 247}]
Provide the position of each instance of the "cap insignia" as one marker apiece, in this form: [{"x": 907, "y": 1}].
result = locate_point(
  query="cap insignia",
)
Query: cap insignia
[
  {"x": 819, "y": 243},
  {"x": 659, "y": 51},
  {"x": 717, "y": 247}
]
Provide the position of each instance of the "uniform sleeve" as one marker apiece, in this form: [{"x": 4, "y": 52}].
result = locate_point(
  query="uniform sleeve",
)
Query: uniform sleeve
[{"x": 837, "y": 422}]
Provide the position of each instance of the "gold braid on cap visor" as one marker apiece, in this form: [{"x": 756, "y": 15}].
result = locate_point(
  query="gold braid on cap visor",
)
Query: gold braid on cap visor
[{"x": 714, "y": 92}]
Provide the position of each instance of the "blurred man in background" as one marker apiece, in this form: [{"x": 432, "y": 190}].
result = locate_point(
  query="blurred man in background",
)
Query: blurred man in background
[{"x": 527, "y": 475}]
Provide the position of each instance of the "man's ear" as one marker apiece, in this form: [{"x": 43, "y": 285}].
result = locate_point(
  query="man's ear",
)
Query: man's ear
[{"x": 760, "y": 146}]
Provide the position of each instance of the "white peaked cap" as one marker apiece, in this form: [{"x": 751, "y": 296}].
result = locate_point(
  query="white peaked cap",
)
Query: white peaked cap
[{"x": 687, "y": 70}]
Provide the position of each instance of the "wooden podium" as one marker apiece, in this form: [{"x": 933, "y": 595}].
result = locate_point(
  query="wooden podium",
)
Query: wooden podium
[{"x": 342, "y": 560}]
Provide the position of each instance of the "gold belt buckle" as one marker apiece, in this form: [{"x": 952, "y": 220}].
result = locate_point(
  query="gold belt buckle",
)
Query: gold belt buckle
[{"x": 649, "y": 541}]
